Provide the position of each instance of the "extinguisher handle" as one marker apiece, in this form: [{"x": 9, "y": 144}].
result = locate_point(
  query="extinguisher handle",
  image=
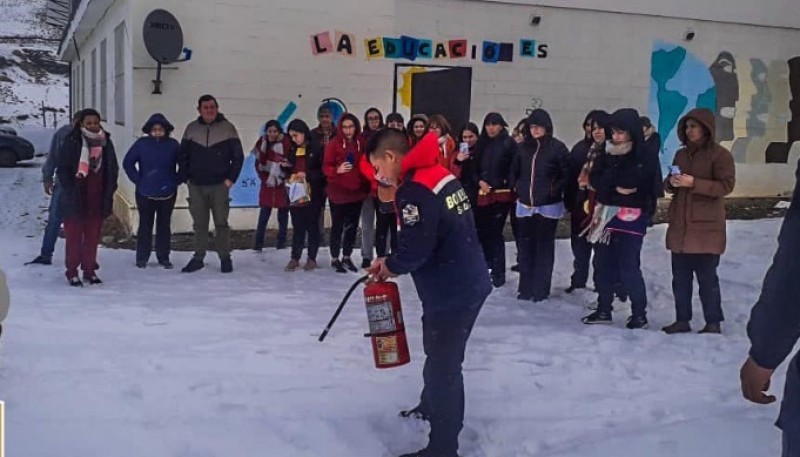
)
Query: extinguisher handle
[{"x": 341, "y": 307}]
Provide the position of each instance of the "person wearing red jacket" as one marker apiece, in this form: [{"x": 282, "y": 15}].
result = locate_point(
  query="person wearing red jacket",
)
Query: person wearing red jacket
[
  {"x": 447, "y": 145},
  {"x": 272, "y": 167},
  {"x": 347, "y": 190},
  {"x": 382, "y": 194}
]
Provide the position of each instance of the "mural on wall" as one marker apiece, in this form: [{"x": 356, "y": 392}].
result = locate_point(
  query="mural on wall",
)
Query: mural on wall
[
  {"x": 723, "y": 71},
  {"x": 748, "y": 96},
  {"x": 413, "y": 48},
  {"x": 679, "y": 83}
]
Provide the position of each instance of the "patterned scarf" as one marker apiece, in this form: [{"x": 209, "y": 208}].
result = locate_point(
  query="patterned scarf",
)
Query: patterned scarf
[
  {"x": 270, "y": 157},
  {"x": 91, "y": 152}
]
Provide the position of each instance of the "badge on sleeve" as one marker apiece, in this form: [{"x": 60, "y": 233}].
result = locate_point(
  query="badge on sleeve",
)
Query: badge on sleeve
[{"x": 410, "y": 215}]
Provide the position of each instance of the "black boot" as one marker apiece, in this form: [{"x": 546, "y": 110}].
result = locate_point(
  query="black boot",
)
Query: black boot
[
  {"x": 193, "y": 265},
  {"x": 337, "y": 266},
  {"x": 40, "y": 260},
  {"x": 597, "y": 317},
  {"x": 226, "y": 265},
  {"x": 347, "y": 263}
]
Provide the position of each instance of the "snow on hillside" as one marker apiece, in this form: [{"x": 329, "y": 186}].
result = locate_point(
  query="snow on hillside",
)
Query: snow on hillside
[
  {"x": 159, "y": 363},
  {"x": 29, "y": 74}
]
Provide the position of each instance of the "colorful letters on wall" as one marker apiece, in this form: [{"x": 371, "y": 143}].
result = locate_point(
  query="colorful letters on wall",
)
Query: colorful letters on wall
[{"x": 412, "y": 48}]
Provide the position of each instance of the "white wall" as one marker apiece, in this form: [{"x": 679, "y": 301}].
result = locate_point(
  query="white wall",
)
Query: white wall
[
  {"x": 775, "y": 13},
  {"x": 255, "y": 57}
]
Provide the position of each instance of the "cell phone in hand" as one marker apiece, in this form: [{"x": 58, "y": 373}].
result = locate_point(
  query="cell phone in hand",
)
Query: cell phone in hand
[
  {"x": 350, "y": 158},
  {"x": 674, "y": 170},
  {"x": 463, "y": 148}
]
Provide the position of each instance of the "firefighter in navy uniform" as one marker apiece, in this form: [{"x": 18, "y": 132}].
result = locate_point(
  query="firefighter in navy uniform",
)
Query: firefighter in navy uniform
[{"x": 438, "y": 245}]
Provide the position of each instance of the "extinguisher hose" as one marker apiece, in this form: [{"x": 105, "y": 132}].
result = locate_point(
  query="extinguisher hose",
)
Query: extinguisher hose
[{"x": 341, "y": 306}]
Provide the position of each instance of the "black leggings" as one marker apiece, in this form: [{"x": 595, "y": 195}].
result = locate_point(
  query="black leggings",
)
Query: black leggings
[
  {"x": 385, "y": 230},
  {"x": 344, "y": 228}
]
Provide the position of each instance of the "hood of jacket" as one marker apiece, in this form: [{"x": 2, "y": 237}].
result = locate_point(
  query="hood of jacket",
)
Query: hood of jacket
[
  {"x": 425, "y": 154},
  {"x": 628, "y": 119},
  {"x": 541, "y": 118},
  {"x": 157, "y": 119},
  {"x": 705, "y": 117}
]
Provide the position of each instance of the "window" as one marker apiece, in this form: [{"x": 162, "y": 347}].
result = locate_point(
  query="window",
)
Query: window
[
  {"x": 119, "y": 74},
  {"x": 94, "y": 79},
  {"x": 104, "y": 79}
]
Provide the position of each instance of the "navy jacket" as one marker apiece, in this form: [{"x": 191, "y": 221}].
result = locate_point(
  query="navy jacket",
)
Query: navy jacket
[
  {"x": 437, "y": 242},
  {"x": 539, "y": 171},
  {"x": 152, "y": 163},
  {"x": 774, "y": 326},
  {"x": 634, "y": 170},
  {"x": 494, "y": 159}
]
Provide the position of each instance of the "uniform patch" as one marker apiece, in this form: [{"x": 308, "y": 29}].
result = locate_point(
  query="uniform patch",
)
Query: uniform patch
[{"x": 410, "y": 214}]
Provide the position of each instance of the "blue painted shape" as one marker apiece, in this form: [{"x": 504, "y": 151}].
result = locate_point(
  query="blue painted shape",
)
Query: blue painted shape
[
  {"x": 286, "y": 114},
  {"x": 244, "y": 193},
  {"x": 680, "y": 82}
]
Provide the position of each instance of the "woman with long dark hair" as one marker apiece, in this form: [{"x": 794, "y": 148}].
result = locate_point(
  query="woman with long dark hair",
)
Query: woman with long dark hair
[
  {"x": 347, "y": 190},
  {"x": 417, "y": 128},
  {"x": 87, "y": 172},
  {"x": 496, "y": 150},
  {"x": 465, "y": 164},
  {"x": 447, "y": 145},
  {"x": 271, "y": 166},
  {"x": 373, "y": 121},
  {"x": 305, "y": 156}
]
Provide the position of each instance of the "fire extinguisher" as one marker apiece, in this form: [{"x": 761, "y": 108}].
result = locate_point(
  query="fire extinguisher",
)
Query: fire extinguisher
[{"x": 387, "y": 330}]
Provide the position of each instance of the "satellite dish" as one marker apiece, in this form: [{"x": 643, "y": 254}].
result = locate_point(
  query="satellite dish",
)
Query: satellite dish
[{"x": 163, "y": 36}]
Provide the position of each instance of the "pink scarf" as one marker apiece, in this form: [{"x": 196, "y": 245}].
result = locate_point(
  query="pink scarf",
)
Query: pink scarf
[{"x": 91, "y": 152}]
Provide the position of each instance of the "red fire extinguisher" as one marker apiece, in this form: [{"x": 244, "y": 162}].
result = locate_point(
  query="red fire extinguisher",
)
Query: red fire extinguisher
[{"x": 387, "y": 330}]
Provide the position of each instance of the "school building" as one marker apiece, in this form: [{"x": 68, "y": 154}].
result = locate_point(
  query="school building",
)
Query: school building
[{"x": 462, "y": 58}]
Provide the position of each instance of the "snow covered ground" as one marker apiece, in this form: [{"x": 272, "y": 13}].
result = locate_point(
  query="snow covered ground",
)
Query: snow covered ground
[{"x": 158, "y": 363}]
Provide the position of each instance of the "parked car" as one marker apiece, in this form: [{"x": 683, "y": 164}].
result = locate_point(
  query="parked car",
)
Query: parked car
[{"x": 13, "y": 148}]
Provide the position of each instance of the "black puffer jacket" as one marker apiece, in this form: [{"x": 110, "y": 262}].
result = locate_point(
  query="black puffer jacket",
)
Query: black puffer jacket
[
  {"x": 634, "y": 170},
  {"x": 73, "y": 197},
  {"x": 541, "y": 167},
  {"x": 577, "y": 159},
  {"x": 494, "y": 159}
]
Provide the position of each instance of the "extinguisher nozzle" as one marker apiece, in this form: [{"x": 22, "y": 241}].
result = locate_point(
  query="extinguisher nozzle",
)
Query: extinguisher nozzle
[{"x": 341, "y": 306}]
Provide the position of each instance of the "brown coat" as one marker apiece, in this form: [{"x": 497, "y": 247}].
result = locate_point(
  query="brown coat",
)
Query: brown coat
[{"x": 697, "y": 214}]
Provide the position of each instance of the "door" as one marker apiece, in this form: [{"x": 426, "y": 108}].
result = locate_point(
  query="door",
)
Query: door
[{"x": 443, "y": 91}]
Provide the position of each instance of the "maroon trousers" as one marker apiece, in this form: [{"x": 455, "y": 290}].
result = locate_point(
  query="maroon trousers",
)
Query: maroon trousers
[{"x": 83, "y": 235}]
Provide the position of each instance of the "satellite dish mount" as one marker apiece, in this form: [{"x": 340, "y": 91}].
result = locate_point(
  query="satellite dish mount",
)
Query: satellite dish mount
[{"x": 163, "y": 38}]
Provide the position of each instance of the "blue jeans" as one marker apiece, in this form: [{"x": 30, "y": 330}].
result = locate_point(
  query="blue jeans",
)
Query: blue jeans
[
  {"x": 53, "y": 225},
  {"x": 261, "y": 228},
  {"x": 444, "y": 339}
]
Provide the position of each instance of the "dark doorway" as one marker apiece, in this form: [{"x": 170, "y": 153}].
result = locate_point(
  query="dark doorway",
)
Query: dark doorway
[{"x": 443, "y": 90}]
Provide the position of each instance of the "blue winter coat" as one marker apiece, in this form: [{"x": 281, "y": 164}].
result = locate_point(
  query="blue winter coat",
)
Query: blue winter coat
[{"x": 152, "y": 163}]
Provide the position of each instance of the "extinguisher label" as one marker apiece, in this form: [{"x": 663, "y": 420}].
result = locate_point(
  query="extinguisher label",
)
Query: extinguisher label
[
  {"x": 381, "y": 318},
  {"x": 387, "y": 349}
]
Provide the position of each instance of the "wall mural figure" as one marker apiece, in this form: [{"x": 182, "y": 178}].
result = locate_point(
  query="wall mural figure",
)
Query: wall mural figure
[{"x": 723, "y": 70}]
